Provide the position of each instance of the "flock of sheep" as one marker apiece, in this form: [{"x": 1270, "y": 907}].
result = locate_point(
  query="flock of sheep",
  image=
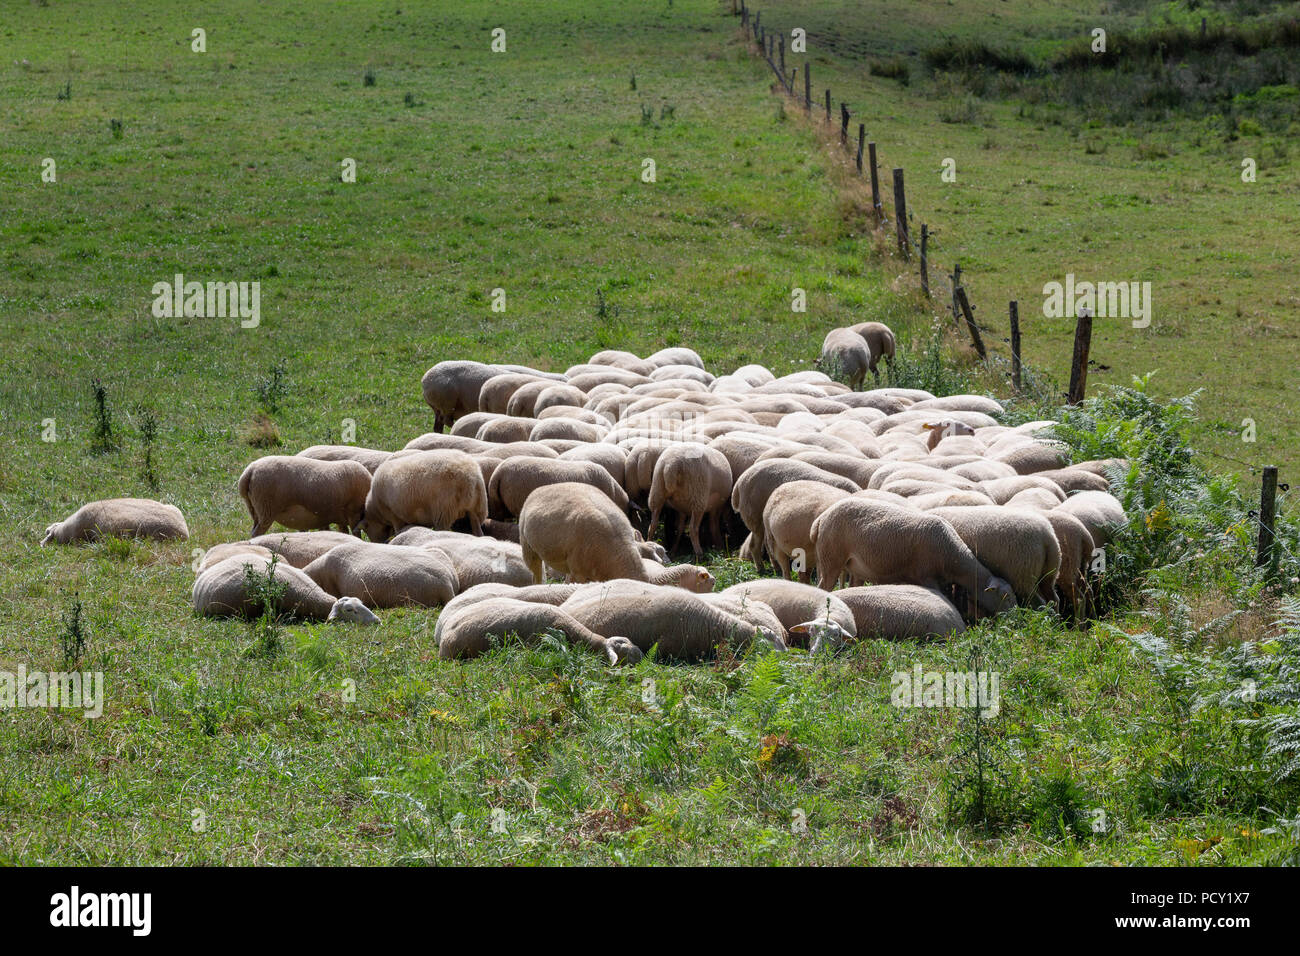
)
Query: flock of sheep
[{"x": 928, "y": 511}]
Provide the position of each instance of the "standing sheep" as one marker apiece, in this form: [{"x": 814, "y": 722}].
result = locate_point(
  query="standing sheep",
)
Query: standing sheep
[
  {"x": 1017, "y": 544},
  {"x": 753, "y": 488},
  {"x": 885, "y": 544},
  {"x": 787, "y": 520},
  {"x": 516, "y": 478},
  {"x": 305, "y": 494},
  {"x": 845, "y": 356},
  {"x": 119, "y": 517},
  {"x": 695, "y": 480},
  {"x": 880, "y": 339},
  {"x": 369, "y": 458},
  {"x": 429, "y": 488},
  {"x": 576, "y": 530}
]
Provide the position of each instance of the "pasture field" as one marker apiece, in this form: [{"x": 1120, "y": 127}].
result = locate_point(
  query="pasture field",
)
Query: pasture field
[{"x": 521, "y": 171}]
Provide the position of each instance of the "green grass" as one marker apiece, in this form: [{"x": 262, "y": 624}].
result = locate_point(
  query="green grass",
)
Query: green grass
[{"x": 518, "y": 171}]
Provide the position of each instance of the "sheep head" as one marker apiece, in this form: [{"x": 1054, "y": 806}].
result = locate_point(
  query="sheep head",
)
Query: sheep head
[
  {"x": 620, "y": 650},
  {"x": 997, "y": 596},
  {"x": 826, "y": 634},
  {"x": 50, "y": 533},
  {"x": 351, "y": 609}
]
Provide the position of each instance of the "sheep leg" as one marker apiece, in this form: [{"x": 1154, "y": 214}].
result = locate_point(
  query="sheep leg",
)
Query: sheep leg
[
  {"x": 534, "y": 562},
  {"x": 696, "y": 518},
  {"x": 715, "y": 528},
  {"x": 654, "y": 524},
  {"x": 782, "y": 563},
  {"x": 828, "y": 572}
]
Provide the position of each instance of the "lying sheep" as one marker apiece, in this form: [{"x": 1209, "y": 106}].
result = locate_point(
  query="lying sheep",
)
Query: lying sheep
[
  {"x": 846, "y": 355},
  {"x": 386, "y": 575},
  {"x": 476, "y": 559},
  {"x": 429, "y": 488},
  {"x": 694, "y": 480},
  {"x": 516, "y": 478},
  {"x": 681, "y": 624},
  {"x": 119, "y": 518},
  {"x": 223, "y": 590},
  {"x": 368, "y": 458},
  {"x": 219, "y": 552},
  {"x": 473, "y": 630},
  {"x": 305, "y": 494},
  {"x": 301, "y": 548},
  {"x": 896, "y": 612},
  {"x": 692, "y": 577},
  {"x": 1017, "y": 544},
  {"x": 750, "y": 493},
  {"x": 885, "y": 544},
  {"x": 795, "y": 604},
  {"x": 787, "y": 519}
]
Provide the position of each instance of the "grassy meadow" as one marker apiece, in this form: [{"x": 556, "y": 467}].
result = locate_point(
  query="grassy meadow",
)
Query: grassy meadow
[{"x": 522, "y": 171}]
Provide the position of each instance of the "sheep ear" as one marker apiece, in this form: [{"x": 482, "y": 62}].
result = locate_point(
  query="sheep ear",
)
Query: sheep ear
[{"x": 801, "y": 628}]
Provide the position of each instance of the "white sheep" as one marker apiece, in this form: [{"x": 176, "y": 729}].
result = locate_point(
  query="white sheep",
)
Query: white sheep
[
  {"x": 119, "y": 517},
  {"x": 576, "y": 530},
  {"x": 223, "y": 590},
  {"x": 476, "y": 559},
  {"x": 884, "y": 544},
  {"x": 846, "y": 355},
  {"x": 369, "y": 458},
  {"x": 386, "y": 575},
  {"x": 1100, "y": 512},
  {"x": 305, "y": 494},
  {"x": 894, "y": 612},
  {"x": 694, "y": 480},
  {"x": 880, "y": 339},
  {"x": 301, "y": 548},
  {"x": 796, "y": 604},
  {"x": 750, "y": 493},
  {"x": 473, "y": 630},
  {"x": 516, "y": 478},
  {"x": 431, "y": 488},
  {"x": 1017, "y": 544},
  {"x": 787, "y": 519}
]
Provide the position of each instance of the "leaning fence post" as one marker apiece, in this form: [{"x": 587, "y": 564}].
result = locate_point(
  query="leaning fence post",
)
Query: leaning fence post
[
  {"x": 1079, "y": 364},
  {"x": 900, "y": 215},
  {"x": 807, "y": 86},
  {"x": 875, "y": 183},
  {"x": 925, "y": 259},
  {"x": 1014, "y": 310},
  {"x": 956, "y": 281},
  {"x": 964, "y": 303},
  {"x": 862, "y": 136},
  {"x": 1266, "y": 555}
]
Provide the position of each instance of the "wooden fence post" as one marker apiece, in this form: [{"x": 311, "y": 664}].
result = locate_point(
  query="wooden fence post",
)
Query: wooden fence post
[
  {"x": 1079, "y": 364},
  {"x": 807, "y": 86},
  {"x": 875, "y": 183},
  {"x": 862, "y": 138},
  {"x": 956, "y": 281},
  {"x": 925, "y": 260},
  {"x": 900, "y": 215},
  {"x": 975, "y": 337},
  {"x": 844, "y": 123},
  {"x": 780, "y": 45},
  {"x": 1266, "y": 555},
  {"x": 828, "y": 106},
  {"x": 1014, "y": 310}
]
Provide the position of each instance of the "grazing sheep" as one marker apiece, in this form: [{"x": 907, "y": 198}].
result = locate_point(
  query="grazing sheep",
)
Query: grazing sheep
[
  {"x": 1038, "y": 498},
  {"x": 845, "y": 354},
  {"x": 884, "y": 544},
  {"x": 119, "y": 517},
  {"x": 610, "y": 457},
  {"x": 1100, "y": 512},
  {"x": 676, "y": 355},
  {"x": 507, "y": 429},
  {"x": 787, "y": 517},
  {"x": 750, "y": 493},
  {"x": 516, "y": 478},
  {"x": 452, "y": 389},
  {"x": 880, "y": 339},
  {"x": 695, "y": 480},
  {"x": 857, "y": 470},
  {"x": 1017, "y": 544},
  {"x": 1103, "y": 466},
  {"x": 683, "y": 625},
  {"x": 795, "y": 603},
  {"x": 494, "y": 395},
  {"x": 1033, "y": 456},
  {"x": 467, "y": 426},
  {"x": 896, "y": 612},
  {"x": 1002, "y": 490},
  {"x": 575, "y": 529},
  {"x": 301, "y": 548},
  {"x": 1075, "y": 479},
  {"x": 222, "y": 591},
  {"x": 305, "y": 494},
  {"x": 566, "y": 428},
  {"x": 433, "y": 441},
  {"x": 430, "y": 488},
  {"x": 1076, "y": 555},
  {"x": 368, "y": 458},
  {"x": 386, "y": 575},
  {"x": 474, "y": 629}
]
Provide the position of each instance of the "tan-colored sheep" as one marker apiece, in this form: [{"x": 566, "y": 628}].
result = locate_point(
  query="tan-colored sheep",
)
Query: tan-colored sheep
[
  {"x": 694, "y": 480},
  {"x": 883, "y": 544},
  {"x": 577, "y": 531},
  {"x": 222, "y": 590},
  {"x": 795, "y": 603},
  {"x": 1076, "y": 555},
  {"x": 1100, "y": 512},
  {"x": 753, "y": 488},
  {"x": 474, "y": 629},
  {"x": 1017, "y": 544},
  {"x": 477, "y": 559},
  {"x": 219, "y": 552},
  {"x": 895, "y": 612},
  {"x": 787, "y": 521},
  {"x": 369, "y": 458},
  {"x": 386, "y": 575},
  {"x": 516, "y": 478},
  {"x": 880, "y": 339},
  {"x": 301, "y": 548},
  {"x": 305, "y": 494},
  {"x": 845, "y": 355},
  {"x": 431, "y": 488},
  {"x": 119, "y": 518}
]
